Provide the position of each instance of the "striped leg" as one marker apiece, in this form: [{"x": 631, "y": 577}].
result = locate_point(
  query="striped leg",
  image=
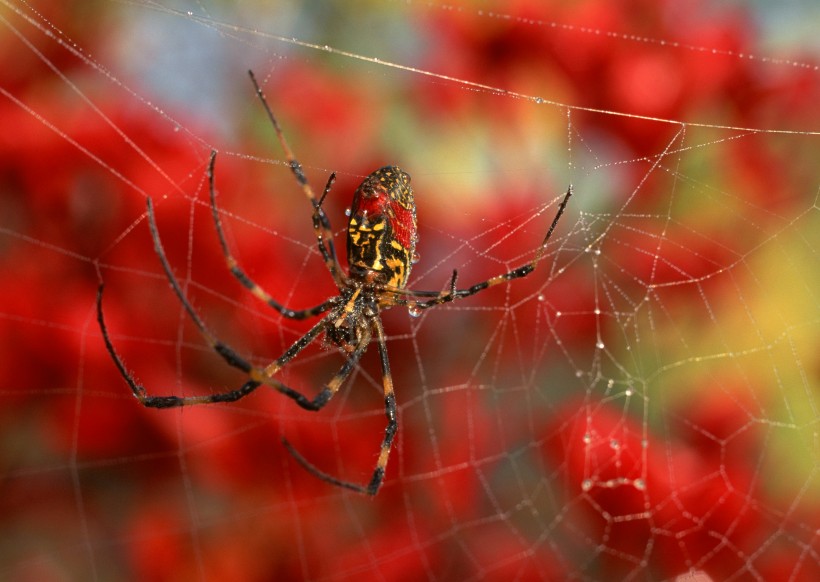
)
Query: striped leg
[
  {"x": 390, "y": 430},
  {"x": 258, "y": 376},
  {"x": 240, "y": 274},
  {"x": 175, "y": 401},
  {"x": 405, "y": 296},
  {"x": 321, "y": 223}
]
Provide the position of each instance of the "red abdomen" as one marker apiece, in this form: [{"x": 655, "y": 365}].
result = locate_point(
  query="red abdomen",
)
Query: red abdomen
[{"x": 381, "y": 233}]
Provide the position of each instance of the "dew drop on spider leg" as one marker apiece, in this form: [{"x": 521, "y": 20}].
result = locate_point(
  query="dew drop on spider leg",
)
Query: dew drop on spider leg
[
  {"x": 414, "y": 310},
  {"x": 348, "y": 212},
  {"x": 415, "y": 258}
]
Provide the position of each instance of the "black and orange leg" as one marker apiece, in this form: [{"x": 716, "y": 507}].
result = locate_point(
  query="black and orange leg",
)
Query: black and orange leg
[
  {"x": 413, "y": 299},
  {"x": 258, "y": 376},
  {"x": 231, "y": 357},
  {"x": 321, "y": 223},
  {"x": 391, "y": 413},
  {"x": 332, "y": 386},
  {"x": 239, "y": 273}
]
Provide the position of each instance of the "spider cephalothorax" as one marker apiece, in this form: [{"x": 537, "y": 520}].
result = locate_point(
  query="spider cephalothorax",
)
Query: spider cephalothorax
[
  {"x": 352, "y": 325},
  {"x": 381, "y": 248}
]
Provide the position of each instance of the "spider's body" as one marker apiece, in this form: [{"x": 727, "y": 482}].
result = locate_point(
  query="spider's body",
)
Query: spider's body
[
  {"x": 381, "y": 248},
  {"x": 381, "y": 233},
  {"x": 352, "y": 324},
  {"x": 381, "y": 243}
]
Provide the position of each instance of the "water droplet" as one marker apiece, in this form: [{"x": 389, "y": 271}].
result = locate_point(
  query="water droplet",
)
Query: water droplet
[
  {"x": 587, "y": 438},
  {"x": 348, "y": 212},
  {"x": 586, "y": 484},
  {"x": 415, "y": 258},
  {"x": 541, "y": 297},
  {"x": 639, "y": 484},
  {"x": 599, "y": 345},
  {"x": 414, "y": 311}
]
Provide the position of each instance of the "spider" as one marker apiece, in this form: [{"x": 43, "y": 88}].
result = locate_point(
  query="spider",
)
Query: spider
[{"x": 381, "y": 242}]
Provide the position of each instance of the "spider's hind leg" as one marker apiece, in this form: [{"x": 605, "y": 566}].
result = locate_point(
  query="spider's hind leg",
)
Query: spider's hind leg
[
  {"x": 240, "y": 274},
  {"x": 321, "y": 223}
]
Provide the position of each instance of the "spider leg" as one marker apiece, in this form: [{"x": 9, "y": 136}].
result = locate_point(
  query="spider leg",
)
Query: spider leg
[
  {"x": 321, "y": 223},
  {"x": 174, "y": 401},
  {"x": 330, "y": 388},
  {"x": 240, "y": 274},
  {"x": 390, "y": 412},
  {"x": 410, "y": 298},
  {"x": 257, "y": 376},
  {"x": 227, "y": 353},
  {"x": 390, "y": 430}
]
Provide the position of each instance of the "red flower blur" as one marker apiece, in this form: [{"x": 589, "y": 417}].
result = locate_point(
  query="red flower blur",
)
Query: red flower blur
[{"x": 610, "y": 416}]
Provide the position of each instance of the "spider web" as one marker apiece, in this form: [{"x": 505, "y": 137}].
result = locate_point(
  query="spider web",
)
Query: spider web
[{"x": 643, "y": 406}]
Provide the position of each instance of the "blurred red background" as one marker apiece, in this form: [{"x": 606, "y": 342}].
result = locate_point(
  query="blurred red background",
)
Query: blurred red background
[{"x": 642, "y": 406}]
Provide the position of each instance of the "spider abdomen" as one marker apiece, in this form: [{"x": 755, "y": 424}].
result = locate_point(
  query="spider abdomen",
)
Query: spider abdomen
[{"x": 381, "y": 233}]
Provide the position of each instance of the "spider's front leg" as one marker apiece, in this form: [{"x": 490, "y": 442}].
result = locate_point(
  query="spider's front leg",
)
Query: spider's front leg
[
  {"x": 391, "y": 413},
  {"x": 257, "y": 376},
  {"x": 330, "y": 388},
  {"x": 176, "y": 401}
]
